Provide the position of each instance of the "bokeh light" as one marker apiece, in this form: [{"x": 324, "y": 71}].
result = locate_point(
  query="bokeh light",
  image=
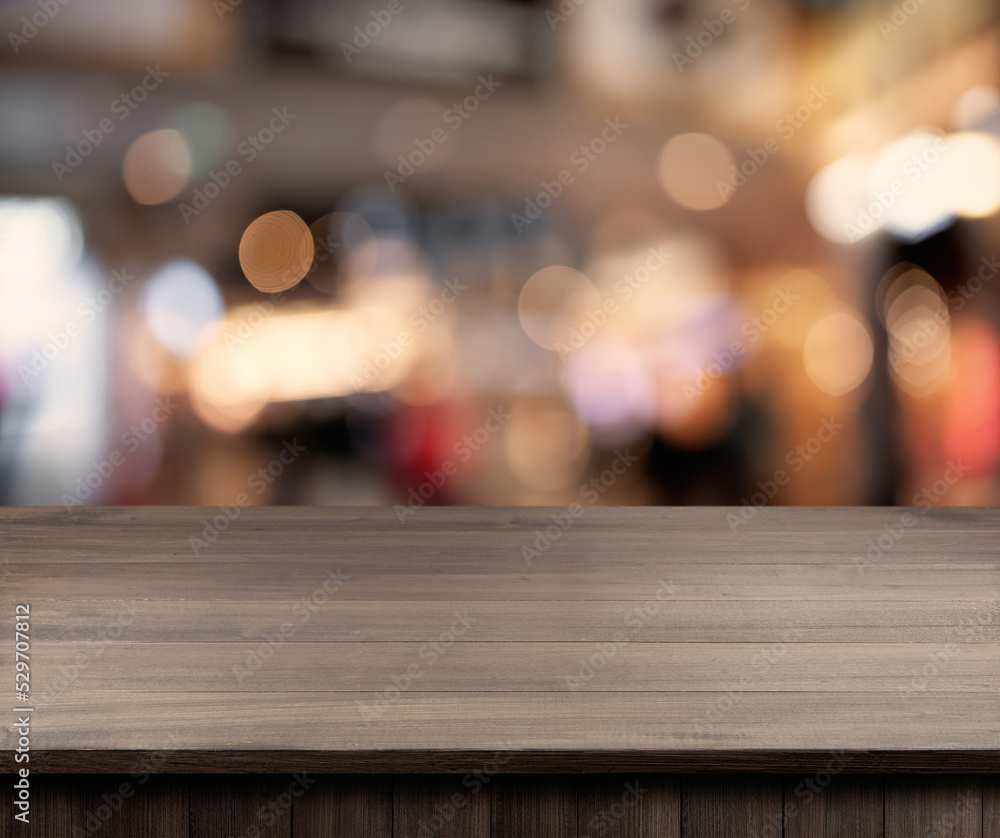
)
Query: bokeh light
[
  {"x": 559, "y": 308},
  {"x": 692, "y": 167},
  {"x": 276, "y": 251},
  {"x": 838, "y": 352},
  {"x": 182, "y": 302},
  {"x": 157, "y": 166}
]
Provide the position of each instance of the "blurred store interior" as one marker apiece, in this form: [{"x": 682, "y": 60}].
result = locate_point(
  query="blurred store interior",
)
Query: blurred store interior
[{"x": 502, "y": 253}]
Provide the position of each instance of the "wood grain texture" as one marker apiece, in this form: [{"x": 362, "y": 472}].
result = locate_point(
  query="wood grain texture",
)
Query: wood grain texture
[
  {"x": 642, "y": 639},
  {"x": 56, "y": 807},
  {"x": 691, "y": 722},
  {"x": 434, "y": 806},
  {"x": 991, "y": 805},
  {"x": 731, "y": 807},
  {"x": 610, "y": 581},
  {"x": 950, "y": 807},
  {"x": 128, "y": 806},
  {"x": 260, "y": 806},
  {"x": 534, "y": 806},
  {"x": 489, "y": 667},
  {"x": 580, "y": 621},
  {"x": 339, "y": 806},
  {"x": 830, "y": 802},
  {"x": 640, "y": 806}
]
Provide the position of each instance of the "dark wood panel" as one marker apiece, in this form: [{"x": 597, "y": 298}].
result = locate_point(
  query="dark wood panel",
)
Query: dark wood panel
[
  {"x": 55, "y": 806},
  {"x": 640, "y": 806},
  {"x": 342, "y": 806},
  {"x": 442, "y": 806},
  {"x": 932, "y": 806},
  {"x": 522, "y": 761},
  {"x": 136, "y": 805},
  {"x": 823, "y": 804},
  {"x": 534, "y": 806},
  {"x": 731, "y": 807},
  {"x": 832, "y": 804},
  {"x": 991, "y": 804},
  {"x": 243, "y": 805}
]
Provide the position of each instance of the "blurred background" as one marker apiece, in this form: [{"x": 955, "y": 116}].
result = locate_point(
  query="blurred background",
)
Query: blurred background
[{"x": 497, "y": 252}]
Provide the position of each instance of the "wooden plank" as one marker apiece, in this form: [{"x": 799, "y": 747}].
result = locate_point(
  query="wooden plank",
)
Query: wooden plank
[
  {"x": 524, "y": 761},
  {"x": 136, "y": 806},
  {"x": 597, "y": 581},
  {"x": 581, "y": 722},
  {"x": 706, "y": 621},
  {"x": 255, "y": 805},
  {"x": 313, "y": 525},
  {"x": 640, "y": 806},
  {"x": 832, "y": 804},
  {"x": 339, "y": 806},
  {"x": 56, "y": 806},
  {"x": 731, "y": 807},
  {"x": 353, "y": 638},
  {"x": 376, "y": 670},
  {"x": 441, "y": 806},
  {"x": 991, "y": 805},
  {"x": 534, "y": 806},
  {"x": 946, "y": 806}
]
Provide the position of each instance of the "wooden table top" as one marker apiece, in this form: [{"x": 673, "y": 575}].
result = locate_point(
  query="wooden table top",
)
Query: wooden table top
[{"x": 347, "y": 639}]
